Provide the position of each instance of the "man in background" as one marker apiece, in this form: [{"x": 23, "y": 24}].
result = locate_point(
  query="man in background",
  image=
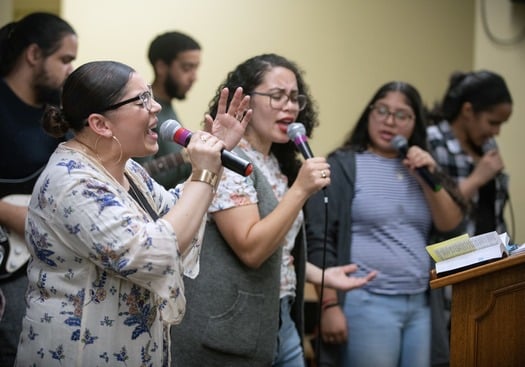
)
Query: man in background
[
  {"x": 175, "y": 58},
  {"x": 36, "y": 55}
]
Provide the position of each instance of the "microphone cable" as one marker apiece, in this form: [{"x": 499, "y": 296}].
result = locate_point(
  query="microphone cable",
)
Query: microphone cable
[
  {"x": 512, "y": 219},
  {"x": 321, "y": 292}
]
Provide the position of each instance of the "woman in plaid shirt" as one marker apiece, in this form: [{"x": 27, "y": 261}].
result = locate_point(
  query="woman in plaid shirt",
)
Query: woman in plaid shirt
[{"x": 472, "y": 112}]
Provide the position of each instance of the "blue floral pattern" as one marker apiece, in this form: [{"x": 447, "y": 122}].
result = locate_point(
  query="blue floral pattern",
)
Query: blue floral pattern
[{"x": 105, "y": 280}]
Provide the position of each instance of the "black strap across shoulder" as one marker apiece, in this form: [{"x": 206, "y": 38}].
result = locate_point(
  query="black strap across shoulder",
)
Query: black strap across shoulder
[{"x": 139, "y": 197}]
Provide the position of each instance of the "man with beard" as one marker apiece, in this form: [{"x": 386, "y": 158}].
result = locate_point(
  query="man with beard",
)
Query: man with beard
[
  {"x": 36, "y": 55},
  {"x": 175, "y": 58}
]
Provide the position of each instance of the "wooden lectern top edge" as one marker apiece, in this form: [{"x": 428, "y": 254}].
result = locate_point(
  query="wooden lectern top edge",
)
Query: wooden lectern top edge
[{"x": 438, "y": 282}]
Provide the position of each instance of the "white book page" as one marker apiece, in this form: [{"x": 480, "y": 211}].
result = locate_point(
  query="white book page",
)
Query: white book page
[
  {"x": 481, "y": 255},
  {"x": 486, "y": 240}
]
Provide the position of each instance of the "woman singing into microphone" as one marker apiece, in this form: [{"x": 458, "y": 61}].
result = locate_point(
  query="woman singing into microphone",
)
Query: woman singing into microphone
[
  {"x": 109, "y": 245},
  {"x": 245, "y": 308},
  {"x": 381, "y": 213}
]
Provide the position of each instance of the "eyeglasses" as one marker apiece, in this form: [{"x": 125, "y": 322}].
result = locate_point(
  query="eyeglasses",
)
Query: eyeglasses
[
  {"x": 279, "y": 99},
  {"x": 382, "y": 113},
  {"x": 146, "y": 98}
]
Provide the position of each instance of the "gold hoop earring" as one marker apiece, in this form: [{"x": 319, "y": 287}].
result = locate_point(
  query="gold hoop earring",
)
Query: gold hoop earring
[
  {"x": 96, "y": 150},
  {"x": 115, "y": 139},
  {"x": 120, "y": 147}
]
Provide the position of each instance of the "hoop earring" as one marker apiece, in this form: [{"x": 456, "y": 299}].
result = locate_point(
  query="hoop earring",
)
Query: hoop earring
[
  {"x": 120, "y": 147},
  {"x": 96, "y": 150},
  {"x": 115, "y": 139}
]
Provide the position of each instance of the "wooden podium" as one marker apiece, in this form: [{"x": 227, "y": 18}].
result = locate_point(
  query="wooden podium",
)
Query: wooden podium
[{"x": 488, "y": 314}]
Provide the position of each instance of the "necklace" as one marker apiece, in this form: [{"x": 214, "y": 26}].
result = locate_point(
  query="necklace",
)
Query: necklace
[
  {"x": 84, "y": 145},
  {"x": 93, "y": 151}
]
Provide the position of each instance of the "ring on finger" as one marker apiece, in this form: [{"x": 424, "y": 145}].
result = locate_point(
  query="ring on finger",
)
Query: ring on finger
[
  {"x": 323, "y": 175},
  {"x": 204, "y": 139}
]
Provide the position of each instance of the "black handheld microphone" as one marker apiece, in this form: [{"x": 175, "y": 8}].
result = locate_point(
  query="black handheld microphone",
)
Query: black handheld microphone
[
  {"x": 487, "y": 147},
  {"x": 172, "y": 131},
  {"x": 400, "y": 143},
  {"x": 297, "y": 133}
]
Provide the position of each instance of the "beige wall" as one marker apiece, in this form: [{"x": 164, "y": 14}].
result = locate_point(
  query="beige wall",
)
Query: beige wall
[
  {"x": 16, "y": 9},
  {"x": 346, "y": 47},
  {"x": 6, "y": 12},
  {"x": 506, "y": 20}
]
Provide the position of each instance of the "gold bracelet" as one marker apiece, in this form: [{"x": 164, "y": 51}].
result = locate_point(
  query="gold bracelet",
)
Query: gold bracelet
[{"x": 203, "y": 175}]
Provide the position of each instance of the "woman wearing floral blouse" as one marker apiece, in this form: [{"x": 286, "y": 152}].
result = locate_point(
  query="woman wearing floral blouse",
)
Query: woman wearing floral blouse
[{"x": 109, "y": 245}]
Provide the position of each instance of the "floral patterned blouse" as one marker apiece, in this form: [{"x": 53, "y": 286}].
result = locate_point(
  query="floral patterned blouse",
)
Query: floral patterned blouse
[
  {"x": 236, "y": 190},
  {"x": 105, "y": 279}
]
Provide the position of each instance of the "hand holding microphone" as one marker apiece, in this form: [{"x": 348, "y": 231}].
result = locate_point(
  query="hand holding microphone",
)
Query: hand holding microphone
[
  {"x": 315, "y": 171},
  {"x": 490, "y": 164},
  {"x": 400, "y": 143},
  {"x": 172, "y": 131}
]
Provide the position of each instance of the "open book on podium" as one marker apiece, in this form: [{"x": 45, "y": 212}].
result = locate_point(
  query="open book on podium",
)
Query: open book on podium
[{"x": 464, "y": 252}]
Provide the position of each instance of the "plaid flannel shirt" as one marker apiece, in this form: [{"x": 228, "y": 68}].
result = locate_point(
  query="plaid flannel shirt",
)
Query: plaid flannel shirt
[{"x": 448, "y": 153}]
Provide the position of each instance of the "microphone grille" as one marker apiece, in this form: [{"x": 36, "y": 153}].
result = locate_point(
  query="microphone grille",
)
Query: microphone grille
[
  {"x": 168, "y": 128},
  {"x": 295, "y": 129},
  {"x": 489, "y": 145},
  {"x": 399, "y": 142}
]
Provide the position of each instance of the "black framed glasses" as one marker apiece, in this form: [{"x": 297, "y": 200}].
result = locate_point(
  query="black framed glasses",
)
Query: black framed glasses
[
  {"x": 279, "y": 99},
  {"x": 146, "y": 99},
  {"x": 382, "y": 113}
]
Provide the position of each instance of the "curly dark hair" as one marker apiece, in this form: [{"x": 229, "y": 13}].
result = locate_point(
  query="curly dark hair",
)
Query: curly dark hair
[{"x": 249, "y": 75}]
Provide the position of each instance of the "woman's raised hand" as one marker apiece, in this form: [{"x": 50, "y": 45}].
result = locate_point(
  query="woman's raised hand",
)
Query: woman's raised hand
[{"x": 231, "y": 121}]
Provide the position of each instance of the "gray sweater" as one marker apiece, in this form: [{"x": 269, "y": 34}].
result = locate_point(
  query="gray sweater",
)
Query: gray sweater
[{"x": 232, "y": 312}]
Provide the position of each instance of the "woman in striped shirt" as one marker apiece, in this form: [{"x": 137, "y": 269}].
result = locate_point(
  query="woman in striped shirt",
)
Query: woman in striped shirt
[{"x": 382, "y": 209}]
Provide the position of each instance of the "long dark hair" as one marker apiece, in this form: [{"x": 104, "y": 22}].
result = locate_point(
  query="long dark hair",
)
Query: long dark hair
[
  {"x": 359, "y": 139},
  {"x": 249, "y": 75},
  {"x": 88, "y": 89},
  {"x": 43, "y": 29},
  {"x": 483, "y": 89}
]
